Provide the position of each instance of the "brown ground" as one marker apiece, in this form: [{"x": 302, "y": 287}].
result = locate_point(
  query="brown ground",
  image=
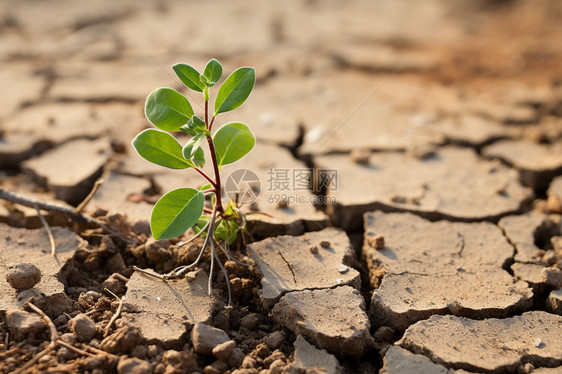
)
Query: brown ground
[{"x": 451, "y": 111}]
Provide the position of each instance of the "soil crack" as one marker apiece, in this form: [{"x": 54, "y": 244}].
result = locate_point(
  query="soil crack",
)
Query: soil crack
[{"x": 289, "y": 266}]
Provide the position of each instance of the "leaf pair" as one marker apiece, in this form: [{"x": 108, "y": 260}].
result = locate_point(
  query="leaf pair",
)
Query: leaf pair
[
  {"x": 195, "y": 81},
  {"x": 232, "y": 142},
  {"x": 233, "y": 92}
]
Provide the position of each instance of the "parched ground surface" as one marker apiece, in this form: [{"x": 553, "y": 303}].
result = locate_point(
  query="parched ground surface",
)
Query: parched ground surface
[{"x": 432, "y": 242}]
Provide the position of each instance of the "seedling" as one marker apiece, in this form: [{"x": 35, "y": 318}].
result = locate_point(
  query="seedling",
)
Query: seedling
[{"x": 183, "y": 208}]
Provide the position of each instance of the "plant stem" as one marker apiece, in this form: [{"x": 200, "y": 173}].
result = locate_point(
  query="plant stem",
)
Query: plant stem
[
  {"x": 217, "y": 182},
  {"x": 207, "y": 115},
  {"x": 218, "y": 187},
  {"x": 211, "y": 124},
  {"x": 213, "y": 183}
]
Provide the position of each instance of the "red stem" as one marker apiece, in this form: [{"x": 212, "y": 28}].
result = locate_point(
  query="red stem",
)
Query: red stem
[
  {"x": 213, "y": 183},
  {"x": 218, "y": 193},
  {"x": 217, "y": 183},
  {"x": 206, "y": 114},
  {"x": 211, "y": 124}
]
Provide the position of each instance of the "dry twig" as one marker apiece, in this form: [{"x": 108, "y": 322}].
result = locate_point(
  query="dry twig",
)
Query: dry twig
[
  {"x": 81, "y": 217},
  {"x": 80, "y": 208},
  {"x": 49, "y": 231},
  {"x": 116, "y": 315}
]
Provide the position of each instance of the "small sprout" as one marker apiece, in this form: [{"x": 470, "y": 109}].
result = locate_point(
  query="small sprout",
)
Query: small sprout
[
  {"x": 325, "y": 244},
  {"x": 376, "y": 242},
  {"x": 184, "y": 208}
]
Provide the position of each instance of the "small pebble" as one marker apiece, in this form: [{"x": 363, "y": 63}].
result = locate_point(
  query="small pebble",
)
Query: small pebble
[
  {"x": 325, "y": 244},
  {"x": 539, "y": 343},
  {"x": 376, "y": 242},
  {"x": 83, "y": 327},
  {"x": 343, "y": 268},
  {"x": 23, "y": 276},
  {"x": 360, "y": 156},
  {"x": 274, "y": 340},
  {"x": 313, "y": 249},
  {"x": 236, "y": 357}
]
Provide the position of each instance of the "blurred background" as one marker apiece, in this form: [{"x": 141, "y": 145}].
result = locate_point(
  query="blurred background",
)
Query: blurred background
[{"x": 333, "y": 76}]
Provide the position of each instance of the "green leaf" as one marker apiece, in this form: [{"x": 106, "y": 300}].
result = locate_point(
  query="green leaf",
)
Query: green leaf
[
  {"x": 201, "y": 222},
  {"x": 205, "y": 187},
  {"x": 227, "y": 231},
  {"x": 235, "y": 90},
  {"x": 232, "y": 142},
  {"x": 199, "y": 157},
  {"x": 213, "y": 71},
  {"x": 193, "y": 151},
  {"x": 176, "y": 212},
  {"x": 167, "y": 109},
  {"x": 194, "y": 126},
  {"x": 192, "y": 145},
  {"x": 189, "y": 76},
  {"x": 160, "y": 148}
]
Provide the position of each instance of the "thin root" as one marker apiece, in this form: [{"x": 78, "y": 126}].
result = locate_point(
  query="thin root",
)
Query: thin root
[
  {"x": 228, "y": 254},
  {"x": 226, "y": 278}
]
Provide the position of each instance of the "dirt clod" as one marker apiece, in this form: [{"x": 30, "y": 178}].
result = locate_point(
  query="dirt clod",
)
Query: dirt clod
[
  {"x": 335, "y": 318},
  {"x": 133, "y": 366},
  {"x": 554, "y": 301},
  {"x": 22, "y": 323},
  {"x": 287, "y": 264},
  {"x": 376, "y": 242},
  {"x": 308, "y": 357},
  {"x": 122, "y": 340},
  {"x": 223, "y": 350},
  {"x": 399, "y": 361},
  {"x": 250, "y": 321},
  {"x": 23, "y": 276}
]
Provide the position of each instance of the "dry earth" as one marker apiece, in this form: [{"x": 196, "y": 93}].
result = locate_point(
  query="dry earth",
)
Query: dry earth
[{"x": 438, "y": 250}]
